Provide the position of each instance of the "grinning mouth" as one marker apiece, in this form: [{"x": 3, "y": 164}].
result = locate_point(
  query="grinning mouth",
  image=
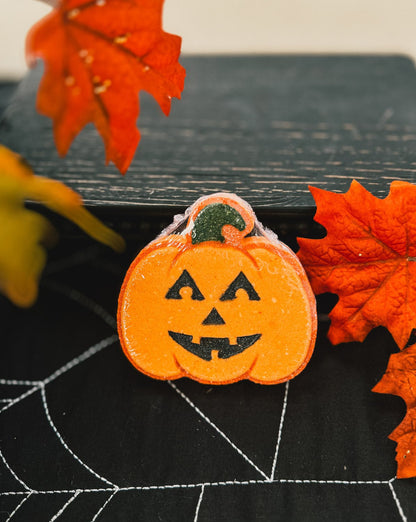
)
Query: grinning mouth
[{"x": 204, "y": 348}]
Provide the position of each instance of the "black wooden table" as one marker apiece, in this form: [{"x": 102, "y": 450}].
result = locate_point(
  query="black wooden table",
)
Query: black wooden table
[{"x": 84, "y": 436}]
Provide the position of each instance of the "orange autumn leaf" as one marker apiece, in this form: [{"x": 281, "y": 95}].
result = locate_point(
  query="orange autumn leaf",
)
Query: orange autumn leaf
[
  {"x": 400, "y": 379},
  {"x": 24, "y": 233},
  {"x": 98, "y": 55},
  {"x": 367, "y": 258}
]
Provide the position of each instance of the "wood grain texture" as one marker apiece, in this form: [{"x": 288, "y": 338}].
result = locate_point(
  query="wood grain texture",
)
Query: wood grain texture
[{"x": 261, "y": 126}]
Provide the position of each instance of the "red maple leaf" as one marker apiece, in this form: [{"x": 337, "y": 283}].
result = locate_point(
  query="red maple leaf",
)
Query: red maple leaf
[
  {"x": 367, "y": 258},
  {"x": 98, "y": 55},
  {"x": 400, "y": 379}
]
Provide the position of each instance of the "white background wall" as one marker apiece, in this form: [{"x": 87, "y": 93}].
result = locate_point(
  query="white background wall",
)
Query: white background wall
[{"x": 239, "y": 26}]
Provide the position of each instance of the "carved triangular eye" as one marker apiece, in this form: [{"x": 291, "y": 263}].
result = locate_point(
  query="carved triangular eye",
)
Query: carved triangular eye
[
  {"x": 184, "y": 279},
  {"x": 240, "y": 281}
]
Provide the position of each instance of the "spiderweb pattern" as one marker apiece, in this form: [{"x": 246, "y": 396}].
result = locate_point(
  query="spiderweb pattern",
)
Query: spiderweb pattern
[{"x": 110, "y": 490}]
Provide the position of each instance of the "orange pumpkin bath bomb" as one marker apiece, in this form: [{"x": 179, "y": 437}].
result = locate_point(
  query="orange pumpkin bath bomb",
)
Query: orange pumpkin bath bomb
[{"x": 217, "y": 298}]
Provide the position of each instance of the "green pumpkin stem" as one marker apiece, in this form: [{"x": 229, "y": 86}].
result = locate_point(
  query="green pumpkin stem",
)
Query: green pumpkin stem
[{"x": 209, "y": 222}]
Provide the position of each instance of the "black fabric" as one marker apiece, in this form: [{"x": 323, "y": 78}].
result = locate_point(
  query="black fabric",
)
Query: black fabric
[{"x": 89, "y": 434}]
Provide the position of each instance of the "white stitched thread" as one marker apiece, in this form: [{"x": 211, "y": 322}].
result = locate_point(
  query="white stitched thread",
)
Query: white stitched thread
[
  {"x": 16, "y": 509},
  {"x": 104, "y": 506},
  {"x": 279, "y": 436},
  {"x": 68, "y": 366},
  {"x": 397, "y": 501},
  {"x": 15, "y": 382},
  {"x": 207, "y": 484},
  {"x": 223, "y": 435},
  {"x": 20, "y": 398},
  {"x": 27, "y": 488},
  {"x": 81, "y": 358},
  {"x": 59, "y": 513},
  {"x": 343, "y": 482},
  {"x": 84, "y": 301},
  {"x": 65, "y": 445},
  {"x": 199, "y": 503},
  {"x": 56, "y": 492}
]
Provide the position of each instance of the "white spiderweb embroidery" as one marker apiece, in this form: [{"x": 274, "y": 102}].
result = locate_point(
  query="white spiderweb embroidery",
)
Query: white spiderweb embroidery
[{"x": 40, "y": 386}]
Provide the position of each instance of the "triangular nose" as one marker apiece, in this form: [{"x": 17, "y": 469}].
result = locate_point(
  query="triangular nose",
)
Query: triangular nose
[{"x": 213, "y": 318}]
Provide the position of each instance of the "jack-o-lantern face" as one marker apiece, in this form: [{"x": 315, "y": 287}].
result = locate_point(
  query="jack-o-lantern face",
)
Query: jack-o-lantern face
[
  {"x": 207, "y": 345},
  {"x": 217, "y": 310}
]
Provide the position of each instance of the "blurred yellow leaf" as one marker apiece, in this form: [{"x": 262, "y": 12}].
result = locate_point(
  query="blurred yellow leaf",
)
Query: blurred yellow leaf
[{"x": 24, "y": 233}]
